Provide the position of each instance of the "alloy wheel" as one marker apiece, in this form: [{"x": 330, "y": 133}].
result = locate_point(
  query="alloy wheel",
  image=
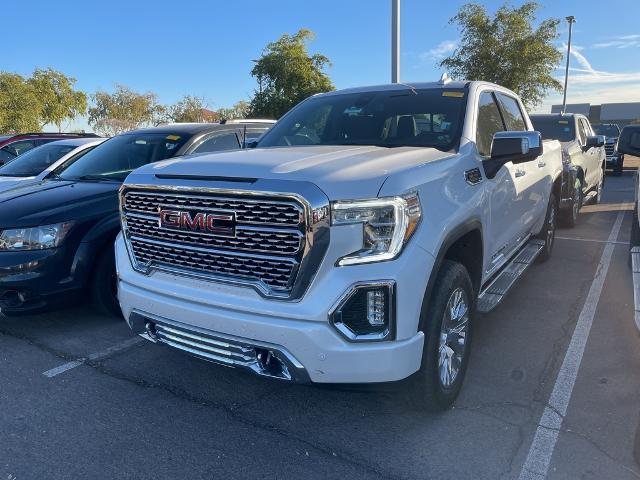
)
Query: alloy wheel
[{"x": 453, "y": 337}]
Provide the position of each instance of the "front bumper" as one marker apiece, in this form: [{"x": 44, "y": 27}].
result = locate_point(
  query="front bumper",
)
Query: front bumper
[{"x": 297, "y": 332}]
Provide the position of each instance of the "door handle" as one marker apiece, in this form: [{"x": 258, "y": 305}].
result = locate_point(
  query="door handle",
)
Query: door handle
[
  {"x": 542, "y": 163},
  {"x": 520, "y": 173}
]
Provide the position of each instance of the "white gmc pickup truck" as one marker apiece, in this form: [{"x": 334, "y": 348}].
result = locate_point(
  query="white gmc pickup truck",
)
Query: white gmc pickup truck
[{"x": 355, "y": 244}]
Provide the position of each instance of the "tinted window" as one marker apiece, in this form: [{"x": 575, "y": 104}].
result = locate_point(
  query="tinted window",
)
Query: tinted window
[
  {"x": 219, "y": 142},
  {"x": 555, "y": 128},
  {"x": 582, "y": 134},
  {"x": 587, "y": 127},
  {"x": 18, "y": 148},
  {"x": 489, "y": 122},
  {"x": 6, "y": 155},
  {"x": 426, "y": 118},
  {"x": 35, "y": 161},
  {"x": 119, "y": 156},
  {"x": 607, "y": 130},
  {"x": 513, "y": 117}
]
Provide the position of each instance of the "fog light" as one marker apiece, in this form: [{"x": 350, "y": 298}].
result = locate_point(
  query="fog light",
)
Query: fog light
[{"x": 366, "y": 312}]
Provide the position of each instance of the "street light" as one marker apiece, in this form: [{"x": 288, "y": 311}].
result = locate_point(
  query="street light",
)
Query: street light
[
  {"x": 395, "y": 41},
  {"x": 571, "y": 19}
]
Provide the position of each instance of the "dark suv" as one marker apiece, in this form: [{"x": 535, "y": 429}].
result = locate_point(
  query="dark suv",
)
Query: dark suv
[
  {"x": 13, "y": 145},
  {"x": 615, "y": 159},
  {"x": 56, "y": 237}
]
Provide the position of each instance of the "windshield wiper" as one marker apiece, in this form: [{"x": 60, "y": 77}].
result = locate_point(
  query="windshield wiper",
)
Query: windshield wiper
[{"x": 96, "y": 178}]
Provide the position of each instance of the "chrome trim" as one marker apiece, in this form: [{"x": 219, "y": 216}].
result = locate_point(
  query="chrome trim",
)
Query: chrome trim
[
  {"x": 346, "y": 332},
  {"x": 314, "y": 202},
  {"x": 215, "y": 347}
]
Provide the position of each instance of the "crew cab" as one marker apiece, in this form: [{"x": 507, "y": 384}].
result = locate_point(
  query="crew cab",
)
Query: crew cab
[
  {"x": 611, "y": 132},
  {"x": 56, "y": 236},
  {"x": 353, "y": 245},
  {"x": 583, "y": 160}
]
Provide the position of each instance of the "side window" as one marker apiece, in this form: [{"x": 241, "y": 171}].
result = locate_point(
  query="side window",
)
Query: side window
[
  {"x": 489, "y": 122},
  {"x": 18, "y": 148},
  {"x": 6, "y": 154},
  {"x": 582, "y": 136},
  {"x": 587, "y": 127},
  {"x": 217, "y": 143},
  {"x": 512, "y": 114}
]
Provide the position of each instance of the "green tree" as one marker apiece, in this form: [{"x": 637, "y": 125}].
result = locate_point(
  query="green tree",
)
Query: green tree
[
  {"x": 191, "y": 109},
  {"x": 60, "y": 101},
  {"x": 123, "y": 110},
  {"x": 20, "y": 108},
  {"x": 241, "y": 109},
  {"x": 287, "y": 74},
  {"x": 506, "y": 49}
]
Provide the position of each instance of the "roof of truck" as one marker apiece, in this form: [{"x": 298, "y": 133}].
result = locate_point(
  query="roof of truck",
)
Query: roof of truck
[{"x": 400, "y": 86}]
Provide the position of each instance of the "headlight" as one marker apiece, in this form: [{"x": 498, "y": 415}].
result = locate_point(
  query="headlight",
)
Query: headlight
[
  {"x": 34, "y": 238},
  {"x": 387, "y": 225}
]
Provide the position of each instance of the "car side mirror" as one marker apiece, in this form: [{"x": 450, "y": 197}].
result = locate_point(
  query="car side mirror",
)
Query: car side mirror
[
  {"x": 594, "y": 141},
  {"x": 629, "y": 141},
  {"x": 252, "y": 144},
  {"x": 516, "y": 147}
]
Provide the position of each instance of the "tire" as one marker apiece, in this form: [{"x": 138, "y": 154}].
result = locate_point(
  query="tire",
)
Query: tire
[
  {"x": 599, "y": 188},
  {"x": 570, "y": 216},
  {"x": 548, "y": 233},
  {"x": 435, "y": 387},
  {"x": 104, "y": 284}
]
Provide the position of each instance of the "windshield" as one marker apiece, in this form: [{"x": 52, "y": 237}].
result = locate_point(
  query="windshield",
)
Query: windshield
[
  {"x": 35, "y": 161},
  {"x": 424, "y": 118},
  {"x": 114, "y": 159},
  {"x": 607, "y": 130},
  {"x": 555, "y": 128}
]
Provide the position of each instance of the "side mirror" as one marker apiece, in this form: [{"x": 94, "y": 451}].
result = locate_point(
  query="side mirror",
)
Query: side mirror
[
  {"x": 515, "y": 147},
  {"x": 629, "y": 141},
  {"x": 252, "y": 144},
  {"x": 594, "y": 141}
]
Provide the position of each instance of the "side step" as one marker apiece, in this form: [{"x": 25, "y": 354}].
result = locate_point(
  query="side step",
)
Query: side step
[{"x": 492, "y": 294}]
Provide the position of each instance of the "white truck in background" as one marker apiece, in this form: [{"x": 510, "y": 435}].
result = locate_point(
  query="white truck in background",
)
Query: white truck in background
[{"x": 355, "y": 244}]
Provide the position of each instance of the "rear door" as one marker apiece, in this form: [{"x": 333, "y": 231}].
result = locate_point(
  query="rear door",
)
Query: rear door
[{"x": 591, "y": 157}]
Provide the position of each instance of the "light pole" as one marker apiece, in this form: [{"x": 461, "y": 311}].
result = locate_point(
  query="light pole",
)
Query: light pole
[
  {"x": 571, "y": 19},
  {"x": 395, "y": 41}
]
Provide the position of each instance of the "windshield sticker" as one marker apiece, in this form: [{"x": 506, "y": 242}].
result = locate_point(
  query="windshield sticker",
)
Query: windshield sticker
[
  {"x": 170, "y": 146},
  {"x": 453, "y": 94},
  {"x": 173, "y": 138},
  {"x": 563, "y": 122}
]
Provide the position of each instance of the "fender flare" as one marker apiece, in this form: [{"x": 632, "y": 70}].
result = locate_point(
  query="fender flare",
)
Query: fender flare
[{"x": 453, "y": 236}]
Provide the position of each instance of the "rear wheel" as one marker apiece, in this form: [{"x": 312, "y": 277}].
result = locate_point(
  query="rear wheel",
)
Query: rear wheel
[
  {"x": 104, "y": 287},
  {"x": 447, "y": 324},
  {"x": 548, "y": 233}
]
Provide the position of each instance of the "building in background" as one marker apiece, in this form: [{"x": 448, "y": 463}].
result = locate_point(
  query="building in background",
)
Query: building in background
[{"x": 620, "y": 113}]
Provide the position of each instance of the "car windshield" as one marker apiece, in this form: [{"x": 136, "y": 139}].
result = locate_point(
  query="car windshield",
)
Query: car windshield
[
  {"x": 606, "y": 130},
  {"x": 555, "y": 128},
  {"x": 424, "y": 118},
  {"x": 35, "y": 161},
  {"x": 114, "y": 159}
]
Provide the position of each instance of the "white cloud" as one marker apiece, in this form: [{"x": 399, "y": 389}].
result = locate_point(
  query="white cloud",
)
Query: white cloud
[
  {"x": 440, "y": 51},
  {"x": 622, "y": 41}
]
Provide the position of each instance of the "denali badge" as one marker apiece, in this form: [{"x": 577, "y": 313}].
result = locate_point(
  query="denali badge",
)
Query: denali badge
[{"x": 217, "y": 223}]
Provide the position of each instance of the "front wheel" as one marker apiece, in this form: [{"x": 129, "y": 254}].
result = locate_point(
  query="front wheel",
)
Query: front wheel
[
  {"x": 570, "y": 217},
  {"x": 447, "y": 323},
  {"x": 104, "y": 287},
  {"x": 548, "y": 233}
]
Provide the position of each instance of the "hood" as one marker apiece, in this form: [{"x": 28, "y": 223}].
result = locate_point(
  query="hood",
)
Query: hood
[
  {"x": 53, "y": 201},
  {"x": 342, "y": 172},
  {"x": 8, "y": 183}
]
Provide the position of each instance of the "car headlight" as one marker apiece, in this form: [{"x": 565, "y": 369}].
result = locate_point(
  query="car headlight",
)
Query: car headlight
[
  {"x": 34, "y": 238},
  {"x": 388, "y": 223}
]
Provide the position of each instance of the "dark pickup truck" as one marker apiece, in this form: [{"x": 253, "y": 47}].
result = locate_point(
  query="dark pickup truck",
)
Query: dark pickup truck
[
  {"x": 615, "y": 158},
  {"x": 583, "y": 160}
]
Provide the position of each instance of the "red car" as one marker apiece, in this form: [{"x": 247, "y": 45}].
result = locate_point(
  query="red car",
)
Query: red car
[{"x": 13, "y": 145}]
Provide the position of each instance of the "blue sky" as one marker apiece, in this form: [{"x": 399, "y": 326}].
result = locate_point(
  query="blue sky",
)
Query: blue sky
[{"x": 205, "y": 48}]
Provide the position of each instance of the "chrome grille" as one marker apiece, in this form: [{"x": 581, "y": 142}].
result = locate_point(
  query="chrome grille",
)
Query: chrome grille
[
  {"x": 610, "y": 149},
  {"x": 266, "y": 248}
]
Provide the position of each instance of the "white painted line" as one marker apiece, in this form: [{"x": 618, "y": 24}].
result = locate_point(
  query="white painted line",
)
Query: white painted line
[
  {"x": 94, "y": 356},
  {"x": 578, "y": 239},
  {"x": 538, "y": 459},
  {"x": 635, "y": 266}
]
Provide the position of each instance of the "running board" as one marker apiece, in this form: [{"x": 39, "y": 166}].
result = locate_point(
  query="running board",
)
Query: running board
[{"x": 492, "y": 294}]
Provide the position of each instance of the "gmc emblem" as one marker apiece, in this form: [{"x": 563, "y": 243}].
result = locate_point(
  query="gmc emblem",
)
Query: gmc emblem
[{"x": 218, "y": 223}]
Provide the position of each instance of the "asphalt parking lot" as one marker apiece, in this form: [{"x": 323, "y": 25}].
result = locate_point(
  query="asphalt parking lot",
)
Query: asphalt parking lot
[{"x": 82, "y": 398}]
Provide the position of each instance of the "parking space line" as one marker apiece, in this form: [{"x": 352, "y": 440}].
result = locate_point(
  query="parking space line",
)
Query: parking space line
[
  {"x": 94, "y": 356},
  {"x": 544, "y": 441},
  {"x": 578, "y": 239}
]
